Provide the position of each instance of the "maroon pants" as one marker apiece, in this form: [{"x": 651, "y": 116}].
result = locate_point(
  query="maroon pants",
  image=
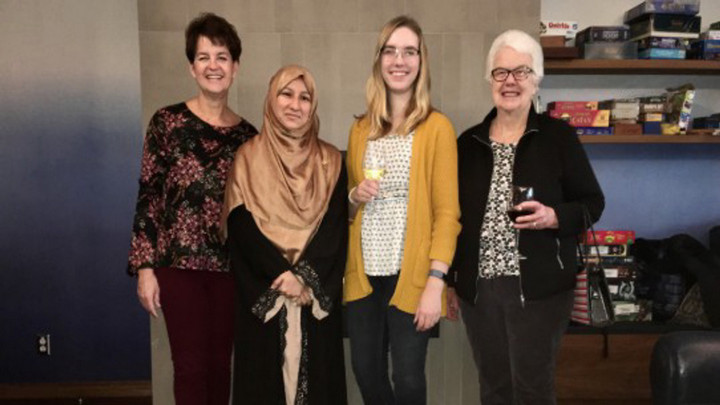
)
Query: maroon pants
[{"x": 199, "y": 307}]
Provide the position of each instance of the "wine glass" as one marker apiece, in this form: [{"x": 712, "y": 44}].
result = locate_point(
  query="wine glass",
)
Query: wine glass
[
  {"x": 374, "y": 167},
  {"x": 518, "y": 195}
]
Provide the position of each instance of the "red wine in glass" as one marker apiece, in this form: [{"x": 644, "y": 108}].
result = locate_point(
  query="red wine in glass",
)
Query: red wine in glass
[{"x": 519, "y": 195}]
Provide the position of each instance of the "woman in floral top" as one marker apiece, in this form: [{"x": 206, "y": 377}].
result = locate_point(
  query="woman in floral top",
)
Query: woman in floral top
[{"x": 176, "y": 250}]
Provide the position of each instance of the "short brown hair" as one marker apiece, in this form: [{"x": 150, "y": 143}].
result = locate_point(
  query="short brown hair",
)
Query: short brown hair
[{"x": 217, "y": 30}]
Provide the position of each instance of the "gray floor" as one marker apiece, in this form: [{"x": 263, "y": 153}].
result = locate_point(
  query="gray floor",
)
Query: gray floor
[{"x": 451, "y": 373}]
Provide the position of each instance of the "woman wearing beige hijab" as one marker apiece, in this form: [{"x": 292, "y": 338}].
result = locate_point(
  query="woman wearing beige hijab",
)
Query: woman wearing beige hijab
[{"x": 287, "y": 236}]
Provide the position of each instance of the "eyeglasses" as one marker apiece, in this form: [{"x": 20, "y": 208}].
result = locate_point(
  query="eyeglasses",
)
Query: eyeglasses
[
  {"x": 501, "y": 74},
  {"x": 393, "y": 52}
]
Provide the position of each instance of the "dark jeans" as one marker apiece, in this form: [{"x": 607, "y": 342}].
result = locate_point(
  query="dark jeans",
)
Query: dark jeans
[
  {"x": 199, "y": 308},
  {"x": 514, "y": 346},
  {"x": 375, "y": 328}
]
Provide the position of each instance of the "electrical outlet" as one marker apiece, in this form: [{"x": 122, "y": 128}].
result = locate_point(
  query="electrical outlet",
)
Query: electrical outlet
[{"x": 43, "y": 344}]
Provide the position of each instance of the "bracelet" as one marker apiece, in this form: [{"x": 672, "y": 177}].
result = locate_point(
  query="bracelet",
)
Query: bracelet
[
  {"x": 350, "y": 198},
  {"x": 438, "y": 274}
]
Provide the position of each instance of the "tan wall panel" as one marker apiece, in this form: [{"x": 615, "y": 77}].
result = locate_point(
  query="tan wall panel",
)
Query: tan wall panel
[
  {"x": 162, "y": 15},
  {"x": 373, "y": 14},
  {"x": 317, "y": 15},
  {"x": 336, "y": 40},
  {"x": 246, "y": 15},
  {"x": 164, "y": 71},
  {"x": 455, "y": 15},
  {"x": 260, "y": 59},
  {"x": 466, "y": 95}
]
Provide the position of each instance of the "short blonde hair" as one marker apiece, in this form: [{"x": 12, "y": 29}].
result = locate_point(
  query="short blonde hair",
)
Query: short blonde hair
[
  {"x": 376, "y": 95},
  {"x": 521, "y": 42}
]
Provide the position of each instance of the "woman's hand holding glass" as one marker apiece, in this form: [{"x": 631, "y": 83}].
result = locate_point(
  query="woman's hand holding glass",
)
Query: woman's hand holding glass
[
  {"x": 366, "y": 191},
  {"x": 541, "y": 216},
  {"x": 369, "y": 188}
]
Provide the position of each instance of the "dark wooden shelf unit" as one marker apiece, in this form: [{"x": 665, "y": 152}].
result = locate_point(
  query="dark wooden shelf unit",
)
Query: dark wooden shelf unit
[
  {"x": 614, "y": 139},
  {"x": 631, "y": 66},
  {"x": 641, "y": 67}
]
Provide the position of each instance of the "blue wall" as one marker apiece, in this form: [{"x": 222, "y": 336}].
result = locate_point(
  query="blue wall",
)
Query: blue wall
[
  {"x": 69, "y": 156},
  {"x": 659, "y": 190}
]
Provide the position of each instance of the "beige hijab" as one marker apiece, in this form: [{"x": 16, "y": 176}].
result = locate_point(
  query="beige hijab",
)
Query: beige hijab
[{"x": 284, "y": 178}]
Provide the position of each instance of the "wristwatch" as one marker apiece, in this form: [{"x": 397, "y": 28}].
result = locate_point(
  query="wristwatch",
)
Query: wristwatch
[{"x": 437, "y": 273}]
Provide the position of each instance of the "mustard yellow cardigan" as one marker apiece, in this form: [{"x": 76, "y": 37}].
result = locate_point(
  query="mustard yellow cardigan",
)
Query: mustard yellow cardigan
[{"x": 433, "y": 210}]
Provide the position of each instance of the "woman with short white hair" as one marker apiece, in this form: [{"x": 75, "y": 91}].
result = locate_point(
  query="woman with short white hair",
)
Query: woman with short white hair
[{"x": 515, "y": 279}]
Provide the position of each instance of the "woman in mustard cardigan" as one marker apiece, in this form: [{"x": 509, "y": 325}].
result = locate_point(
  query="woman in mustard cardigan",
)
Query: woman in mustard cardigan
[{"x": 403, "y": 225}]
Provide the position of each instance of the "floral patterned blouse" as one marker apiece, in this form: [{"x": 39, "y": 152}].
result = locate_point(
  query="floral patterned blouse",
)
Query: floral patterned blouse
[
  {"x": 498, "y": 251},
  {"x": 182, "y": 185}
]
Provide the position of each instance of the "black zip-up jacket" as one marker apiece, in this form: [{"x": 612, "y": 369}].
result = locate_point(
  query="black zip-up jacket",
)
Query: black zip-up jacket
[{"x": 550, "y": 158}]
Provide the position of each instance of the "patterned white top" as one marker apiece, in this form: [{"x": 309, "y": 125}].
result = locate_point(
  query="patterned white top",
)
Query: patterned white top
[
  {"x": 498, "y": 252},
  {"x": 382, "y": 232}
]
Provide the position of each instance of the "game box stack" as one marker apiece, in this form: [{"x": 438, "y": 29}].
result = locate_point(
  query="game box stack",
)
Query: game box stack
[
  {"x": 583, "y": 115},
  {"x": 678, "y": 107},
  {"x": 669, "y": 113},
  {"x": 620, "y": 270},
  {"x": 624, "y": 114},
  {"x": 709, "y": 122},
  {"x": 555, "y": 36},
  {"x": 606, "y": 42},
  {"x": 652, "y": 114},
  {"x": 663, "y": 28},
  {"x": 708, "y": 47}
]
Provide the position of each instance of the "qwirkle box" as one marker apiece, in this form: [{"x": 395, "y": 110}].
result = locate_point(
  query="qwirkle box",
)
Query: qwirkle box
[
  {"x": 555, "y": 27},
  {"x": 595, "y": 118}
]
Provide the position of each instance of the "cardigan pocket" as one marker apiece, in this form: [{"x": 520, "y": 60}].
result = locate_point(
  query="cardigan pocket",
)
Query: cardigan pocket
[{"x": 419, "y": 263}]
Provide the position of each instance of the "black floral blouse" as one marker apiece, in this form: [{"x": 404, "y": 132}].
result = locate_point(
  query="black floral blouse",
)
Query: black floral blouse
[
  {"x": 498, "y": 251},
  {"x": 182, "y": 185}
]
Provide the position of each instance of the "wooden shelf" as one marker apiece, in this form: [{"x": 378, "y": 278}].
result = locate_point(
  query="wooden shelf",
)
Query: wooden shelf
[
  {"x": 649, "y": 139},
  {"x": 631, "y": 66}
]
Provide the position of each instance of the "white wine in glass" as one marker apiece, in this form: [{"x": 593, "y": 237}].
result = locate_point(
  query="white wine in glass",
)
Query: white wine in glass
[
  {"x": 374, "y": 173},
  {"x": 374, "y": 168}
]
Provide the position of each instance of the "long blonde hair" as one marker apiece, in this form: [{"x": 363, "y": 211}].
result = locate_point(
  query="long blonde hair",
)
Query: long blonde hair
[{"x": 376, "y": 95}]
